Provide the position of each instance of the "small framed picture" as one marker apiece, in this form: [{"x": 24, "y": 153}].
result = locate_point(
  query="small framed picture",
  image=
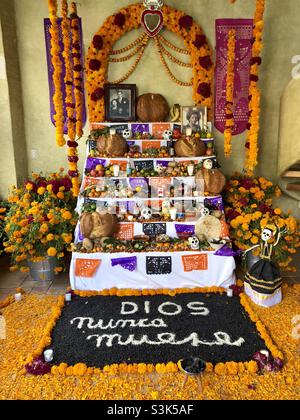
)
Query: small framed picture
[
  {"x": 194, "y": 118},
  {"x": 120, "y": 102}
]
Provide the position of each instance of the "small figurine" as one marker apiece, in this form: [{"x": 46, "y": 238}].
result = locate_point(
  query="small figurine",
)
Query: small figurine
[{"x": 263, "y": 281}]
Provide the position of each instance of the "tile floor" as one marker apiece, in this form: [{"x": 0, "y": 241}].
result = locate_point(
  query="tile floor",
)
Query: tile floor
[{"x": 10, "y": 281}]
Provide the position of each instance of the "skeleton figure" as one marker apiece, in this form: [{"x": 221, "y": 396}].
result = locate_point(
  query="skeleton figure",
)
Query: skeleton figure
[
  {"x": 194, "y": 243},
  {"x": 263, "y": 280},
  {"x": 146, "y": 213},
  {"x": 126, "y": 134},
  {"x": 168, "y": 135}
]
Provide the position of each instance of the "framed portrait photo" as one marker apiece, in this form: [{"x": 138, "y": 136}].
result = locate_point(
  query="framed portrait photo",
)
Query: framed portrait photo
[
  {"x": 120, "y": 102},
  {"x": 194, "y": 118}
]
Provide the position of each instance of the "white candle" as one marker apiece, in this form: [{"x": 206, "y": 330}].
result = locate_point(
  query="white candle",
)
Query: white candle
[
  {"x": 116, "y": 169},
  {"x": 205, "y": 118},
  {"x": 190, "y": 169},
  {"x": 112, "y": 131},
  {"x": 229, "y": 292},
  {"x": 68, "y": 297},
  {"x": 18, "y": 297},
  {"x": 173, "y": 213},
  {"x": 48, "y": 356},
  {"x": 189, "y": 132}
]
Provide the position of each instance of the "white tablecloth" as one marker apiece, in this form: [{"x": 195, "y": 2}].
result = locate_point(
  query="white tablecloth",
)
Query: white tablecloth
[{"x": 219, "y": 272}]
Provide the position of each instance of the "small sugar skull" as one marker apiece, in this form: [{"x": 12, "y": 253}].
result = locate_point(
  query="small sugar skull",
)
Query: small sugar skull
[
  {"x": 204, "y": 212},
  {"x": 159, "y": 169},
  {"x": 146, "y": 213},
  {"x": 194, "y": 242},
  {"x": 208, "y": 164},
  {"x": 126, "y": 134},
  {"x": 168, "y": 135}
]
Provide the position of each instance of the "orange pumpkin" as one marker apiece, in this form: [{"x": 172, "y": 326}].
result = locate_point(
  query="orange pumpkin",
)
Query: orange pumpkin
[
  {"x": 112, "y": 145},
  {"x": 152, "y": 107}
]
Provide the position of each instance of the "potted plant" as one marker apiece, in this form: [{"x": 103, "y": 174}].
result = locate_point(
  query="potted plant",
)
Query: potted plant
[
  {"x": 249, "y": 208},
  {"x": 40, "y": 224}
]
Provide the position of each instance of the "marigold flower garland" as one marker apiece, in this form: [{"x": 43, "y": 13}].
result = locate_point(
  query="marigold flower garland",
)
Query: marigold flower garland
[
  {"x": 254, "y": 91},
  {"x": 80, "y": 369},
  {"x": 229, "y": 93},
  {"x": 129, "y": 18},
  {"x": 57, "y": 73},
  {"x": 70, "y": 106}
]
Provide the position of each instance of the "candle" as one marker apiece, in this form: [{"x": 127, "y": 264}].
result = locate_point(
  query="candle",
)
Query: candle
[
  {"x": 190, "y": 169},
  {"x": 173, "y": 213},
  {"x": 116, "y": 169},
  {"x": 205, "y": 119},
  {"x": 18, "y": 297},
  {"x": 189, "y": 132},
  {"x": 229, "y": 292},
  {"x": 112, "y": 131},
  {"x": 68, "y": 297},
  {"x": 48, "y": 356}
]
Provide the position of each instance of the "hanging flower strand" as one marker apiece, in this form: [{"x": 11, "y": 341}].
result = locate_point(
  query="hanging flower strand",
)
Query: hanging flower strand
[
  {"x": 77, "y": 68},
  {"x": 229, "y": 93},
  {"x": 57, "y": 72},
  {"x": 70, "y": 106},
  {"x": 254, "y": 91}
]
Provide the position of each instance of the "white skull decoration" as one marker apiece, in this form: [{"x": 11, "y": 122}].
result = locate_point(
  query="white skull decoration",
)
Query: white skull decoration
[
  {"x": 167, "y": 135},
  {"x": 208, "y": 164},
  {"x": 126, "y": 134},
  {"x": 194, "y": 242},
  {"x": 146, "y": 213},
  {"x": 159, "y": 169},
  {"x": 204, "y": 212},
  {"x": 266, "y": 235}
]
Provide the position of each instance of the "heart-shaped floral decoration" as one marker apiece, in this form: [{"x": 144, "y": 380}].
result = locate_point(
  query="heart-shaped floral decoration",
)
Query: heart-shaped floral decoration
[{"x": 152, "y": 21}]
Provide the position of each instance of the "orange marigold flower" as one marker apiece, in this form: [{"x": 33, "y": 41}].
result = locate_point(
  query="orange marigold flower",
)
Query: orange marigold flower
[{"x": 52, "y": 252}]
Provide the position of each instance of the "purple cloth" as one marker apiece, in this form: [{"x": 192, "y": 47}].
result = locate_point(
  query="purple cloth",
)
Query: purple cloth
[
  {"x": 216, "y": 202},
  {"x": 128, "y": 263},
  {"x": 244, "y": 34},
  {"x": 185, "y": 229},
  {"x": 47, "y": 25},
  {"x": 226, "y": 251},
  {"x": 140, "y": 128},
  {"x": 91, "y": 163},
  {"x": 164, "y": 163},
  {"x": 138, "y": 182}
]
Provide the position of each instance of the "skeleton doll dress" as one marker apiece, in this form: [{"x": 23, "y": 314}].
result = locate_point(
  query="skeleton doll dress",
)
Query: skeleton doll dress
[{"x": 263, "y": 281}]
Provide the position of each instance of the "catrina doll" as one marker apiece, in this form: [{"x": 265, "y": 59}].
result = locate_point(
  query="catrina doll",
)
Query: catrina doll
[{"x": 263, "y": 280}]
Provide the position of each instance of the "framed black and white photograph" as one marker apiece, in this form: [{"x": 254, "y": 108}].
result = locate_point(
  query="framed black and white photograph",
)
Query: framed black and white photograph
[
  {"x": 120, "y": 102},
  {"x": 194, "y": 118}
]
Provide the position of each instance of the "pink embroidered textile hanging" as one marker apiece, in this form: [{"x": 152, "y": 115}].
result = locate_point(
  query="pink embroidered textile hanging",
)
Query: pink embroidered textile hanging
[{"x": 244, "y": 34}]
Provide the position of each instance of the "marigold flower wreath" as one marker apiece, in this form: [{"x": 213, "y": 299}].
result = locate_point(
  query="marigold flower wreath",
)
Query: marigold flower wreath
[
  {"x": 229, "y": 93},
  {"x": 80, "y": 369},
  {"x": 129, "y": 18}
]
